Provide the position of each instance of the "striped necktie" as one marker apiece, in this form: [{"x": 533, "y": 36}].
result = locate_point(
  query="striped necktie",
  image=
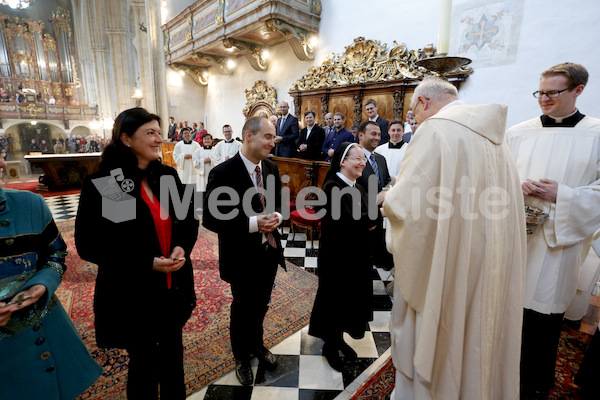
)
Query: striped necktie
[
  {"x": 261, "y": 194},
  {"x": 375, "y": 167}
]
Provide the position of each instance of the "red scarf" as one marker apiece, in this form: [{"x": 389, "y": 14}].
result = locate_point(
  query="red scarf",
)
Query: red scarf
[{"x": 163, "y": 228}]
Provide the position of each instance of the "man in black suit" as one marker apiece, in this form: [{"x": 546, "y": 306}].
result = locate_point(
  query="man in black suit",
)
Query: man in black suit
[
  {"x": 249, "y": 243},
  {"x": 372, "y": 112},
  {"x": 311, "y": 138},
  {"x": 376, "y": 170},
  {"x": 172, "y": 129},
  {"x": 287, "y": 132}
]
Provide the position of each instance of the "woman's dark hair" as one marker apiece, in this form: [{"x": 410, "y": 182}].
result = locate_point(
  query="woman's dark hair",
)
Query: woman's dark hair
[
  {"x": 336, "y": 160},
  {"x": 116, "y": 154}
]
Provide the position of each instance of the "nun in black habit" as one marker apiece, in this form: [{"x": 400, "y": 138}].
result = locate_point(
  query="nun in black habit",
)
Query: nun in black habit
[{"x": 345, "y": 294}]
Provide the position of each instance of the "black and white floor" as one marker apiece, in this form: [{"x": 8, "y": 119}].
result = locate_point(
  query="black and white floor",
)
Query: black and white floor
[{"x": 303, "y": 373}]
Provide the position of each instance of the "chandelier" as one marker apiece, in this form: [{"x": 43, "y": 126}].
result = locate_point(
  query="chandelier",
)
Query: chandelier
[{"x": 16, "y": 4}]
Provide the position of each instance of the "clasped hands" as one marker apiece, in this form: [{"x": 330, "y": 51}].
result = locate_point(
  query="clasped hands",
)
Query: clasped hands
[
  {"x": 544, "y": 189},
  {"x": 164, "y": 264},
  {"x": 267, "y": 222}
]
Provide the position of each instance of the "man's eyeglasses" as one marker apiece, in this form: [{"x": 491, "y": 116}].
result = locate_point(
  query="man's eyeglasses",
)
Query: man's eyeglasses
[
  {"x": 417, "y": 105},
  {"x": 550, "y": 93}
]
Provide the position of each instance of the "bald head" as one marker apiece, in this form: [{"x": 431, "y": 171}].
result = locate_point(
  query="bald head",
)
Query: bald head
[{"x": 284, "y": 107}]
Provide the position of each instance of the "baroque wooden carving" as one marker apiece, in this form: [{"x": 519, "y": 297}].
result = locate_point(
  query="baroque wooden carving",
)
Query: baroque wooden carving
[
  {"x": 261, "y": 93},
  {"x": 365, "y": 61}
]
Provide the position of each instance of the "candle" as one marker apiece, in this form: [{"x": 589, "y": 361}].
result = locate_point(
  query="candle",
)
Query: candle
[{"x": 444, "y": 32}]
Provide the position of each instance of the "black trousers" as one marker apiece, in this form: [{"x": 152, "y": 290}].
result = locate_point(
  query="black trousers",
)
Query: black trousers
[
  {"x": 156, "y": 358},
  {"x": 251, "y": 295},
  {"x": 541, "y": 334}
]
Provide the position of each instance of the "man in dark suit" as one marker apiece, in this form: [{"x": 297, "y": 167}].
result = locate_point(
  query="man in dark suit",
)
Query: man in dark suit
[
  {"x": 376, "y": 170},
  {"x": 172, "y": 129},
  {"x": 287, "y": 132},
  {"x": 336, "y": 136},
  {"x": 249, "y": 243},
  {"x": 407, "y": 137},
  {"x": 311, "y": 138},
  {"x": 372, "y": 112}
]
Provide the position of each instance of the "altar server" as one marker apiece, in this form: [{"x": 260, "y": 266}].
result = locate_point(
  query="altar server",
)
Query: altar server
[
  {"x": 558, "y": 160},
  {"x": 182, "y": 155}
]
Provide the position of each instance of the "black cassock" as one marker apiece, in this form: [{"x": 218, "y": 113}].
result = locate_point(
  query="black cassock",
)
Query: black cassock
[{"x": 345, "y": 294}]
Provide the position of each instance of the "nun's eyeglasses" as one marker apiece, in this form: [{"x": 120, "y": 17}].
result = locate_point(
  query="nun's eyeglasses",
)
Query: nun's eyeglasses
[{"x": 357, "y": 159}]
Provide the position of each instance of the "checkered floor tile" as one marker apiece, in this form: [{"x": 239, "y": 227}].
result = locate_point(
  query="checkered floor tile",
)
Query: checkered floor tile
[{"x": 302, "y": 373}]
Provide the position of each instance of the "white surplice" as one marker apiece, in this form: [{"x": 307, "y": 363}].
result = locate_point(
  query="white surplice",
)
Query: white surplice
[
  {"x": 202, "y": 168},
  {"x": 557, "y": 249},
  {"x": 185, "y": 166},
  {"x": 393, "y": 157},
  {"x": 225, "y": 150},
  {"x": 459, "y": 253}
]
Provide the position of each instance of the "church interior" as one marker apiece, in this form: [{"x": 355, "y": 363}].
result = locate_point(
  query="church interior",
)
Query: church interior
[{"x": 69, "y": 67}]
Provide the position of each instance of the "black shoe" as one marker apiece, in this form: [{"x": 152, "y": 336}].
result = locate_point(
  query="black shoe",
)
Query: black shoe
[
  {"x": 267, "y": 359},
  {"x": 348, "y": 351},
  {"x": 333, "y": 358},
  {"x": 243, "y": 372}
]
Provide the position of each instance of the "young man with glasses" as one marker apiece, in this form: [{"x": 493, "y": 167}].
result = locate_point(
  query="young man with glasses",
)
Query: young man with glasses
[{"x": 558, "y": 159}]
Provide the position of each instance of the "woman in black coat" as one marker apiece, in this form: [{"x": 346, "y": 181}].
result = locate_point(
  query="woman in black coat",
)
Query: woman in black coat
[
  {"x": 345, "y": 294},
  {"x": 144, "y": 290}
]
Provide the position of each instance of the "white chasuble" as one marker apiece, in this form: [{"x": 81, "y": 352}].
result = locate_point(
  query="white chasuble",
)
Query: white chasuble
[
  {"x": 457, "y": 234},
  {"x": 557, "y": 249},
  {"x": 203, "y": 168},
  {"x": 185, "y": 166}
]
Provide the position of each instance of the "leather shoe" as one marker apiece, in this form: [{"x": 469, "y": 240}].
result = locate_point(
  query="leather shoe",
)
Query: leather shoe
[
  {"x": 333, "y": 358},
  {"x": 348, "y": 351},
  {"x": 243, "y": 372},
  {"x": 268, "y": 359}
]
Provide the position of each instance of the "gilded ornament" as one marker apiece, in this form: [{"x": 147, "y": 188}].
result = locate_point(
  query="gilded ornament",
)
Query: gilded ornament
[
  {"x": 364, "y": 61},
  {"x": 260, "y": 92},
  {"x": 220, "y": 16},
  {"x": 69, "y": 92},
  {"x": 316, "y": 7},
  {"x": 188, "y": 34}
]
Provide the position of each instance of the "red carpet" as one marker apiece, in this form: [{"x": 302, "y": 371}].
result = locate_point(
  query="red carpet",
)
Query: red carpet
[
  {"x": 206, "y": 335},
  {"x": 32, "y": 187},
  {"x": 572, "y": 347}
]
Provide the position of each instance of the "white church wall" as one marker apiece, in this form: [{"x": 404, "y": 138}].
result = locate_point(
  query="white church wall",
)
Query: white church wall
[
  {"x": 226, "y": 97},
  {"x": 544, "y": 33},
  {"x": 187, "y": 99}
]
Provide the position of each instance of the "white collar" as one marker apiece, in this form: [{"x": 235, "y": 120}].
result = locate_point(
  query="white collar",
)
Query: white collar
[
  {"x": 367, "y": 152},
  {"x": 250, "y": 166},
  {"x": 345, "y": 179},
  {"x": 453, "y": 103},
  {"x": 560, "y": 119}
]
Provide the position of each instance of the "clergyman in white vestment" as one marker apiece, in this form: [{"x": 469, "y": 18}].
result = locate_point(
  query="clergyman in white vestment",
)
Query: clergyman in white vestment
[
  {"x": 182, "y": 155},
  {"x": 558, "y": 159},
  {"x": 393, "y": 151},
  {"x": 457, "y": 233},
  {"x": 227, "y": 148}
]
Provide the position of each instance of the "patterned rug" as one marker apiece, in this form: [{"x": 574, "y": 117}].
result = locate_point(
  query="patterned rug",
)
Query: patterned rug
[
  {"x": 571, "y": 350},
  {"x": 206, "y": 335}
]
